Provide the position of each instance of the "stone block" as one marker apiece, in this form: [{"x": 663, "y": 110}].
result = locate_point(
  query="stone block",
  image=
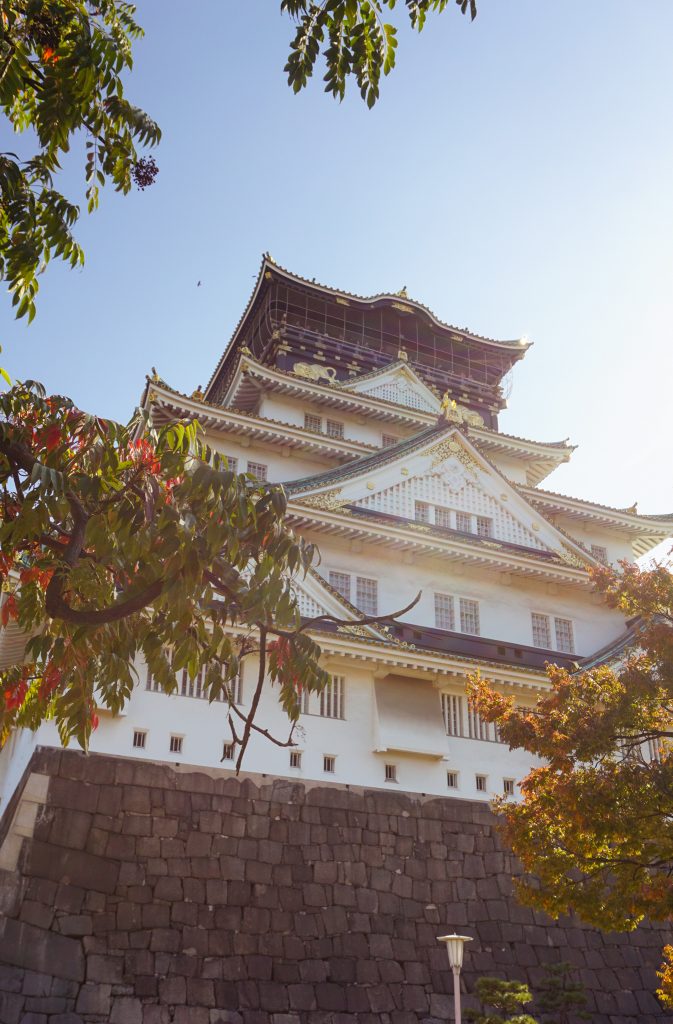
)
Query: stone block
[
  {"x": 24, "y": 945},
  {"x": 94, "y": 999},
  {"x": 75, "y": 924},
  {"x": 191, "y": 1015},
  {"x": 173, "y": 991},
  {"x": 107, "y": 969},
  {"x": 126, "y": 1010},
  {"x": 11, "y": 1005},
  {"x": 62, "y": 865}
]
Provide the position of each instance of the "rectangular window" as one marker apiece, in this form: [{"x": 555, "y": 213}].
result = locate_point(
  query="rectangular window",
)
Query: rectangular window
[
  {"x": 452, "y": 780},
  {"x": 443, "y": 517},
  {"x": 152, "y": 683},
  {"x": 295, "y": 759},
  {"x": 312, "y": 422},
  {"x": 367, "y": 595},
  {"x": 600, "y": 553},
  {"x": 232, "y": 463},
  {"x": 234, "y": 690},
  {"x": 653, "y": 750},
  {"x": 341, "y": 582},
  {"x": 329, "y": 763},
  {"x": 391, "y": 773},
  {"x": 258, "y": 470},
  {"x": 541, "y": 630},
  {"x": 422, "y": 511},
  {"x": 191, "y": 687},
  {"x": 469, "y": 616},
  {"x": 332, "y": 698},
  {"x": 464, "y": 522},
  {"x": 305, "y": 696},
  {"x": 508, "y": 787},
  {"x": 175, "y": 745},
  {"x": 564, "y": 636},
  {"x": 228, "y": 751},
  {"x": 444, "y": 612},
  {"x": 484, "y": 526},
  {"x": 480, "y": 782},
  {"x": 388, "y": 440},
  {"x": 452, "y": 711},
  {"x": 334, "y": 428},
  {"x": 139, "y": 737}
]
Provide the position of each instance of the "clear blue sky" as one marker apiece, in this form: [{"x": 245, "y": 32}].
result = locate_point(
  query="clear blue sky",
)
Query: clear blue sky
[{"x": 516, "y": 176}]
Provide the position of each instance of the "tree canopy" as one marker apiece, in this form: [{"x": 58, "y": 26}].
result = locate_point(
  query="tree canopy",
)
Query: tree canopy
[
  {"x": 594, "y": 830},
  {"x": 120, "y": 541},
  {"x": 501, "y": 1002}
]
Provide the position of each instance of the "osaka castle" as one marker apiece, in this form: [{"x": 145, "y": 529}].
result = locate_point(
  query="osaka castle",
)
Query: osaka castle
[{"x": 382, "y": 424}]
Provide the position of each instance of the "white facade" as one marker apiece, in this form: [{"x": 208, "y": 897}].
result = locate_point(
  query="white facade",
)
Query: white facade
[{"x": 396, "y": 505}]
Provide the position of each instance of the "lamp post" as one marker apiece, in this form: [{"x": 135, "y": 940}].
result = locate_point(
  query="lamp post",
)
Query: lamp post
[{"x": 454, "y": 947}]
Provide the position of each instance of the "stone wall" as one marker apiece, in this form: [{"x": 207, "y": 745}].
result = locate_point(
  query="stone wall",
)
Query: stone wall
[{"x": 147, "y": 894}]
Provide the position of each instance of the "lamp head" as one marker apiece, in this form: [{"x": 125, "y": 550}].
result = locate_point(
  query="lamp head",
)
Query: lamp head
[{"x": 454, "y": 947}]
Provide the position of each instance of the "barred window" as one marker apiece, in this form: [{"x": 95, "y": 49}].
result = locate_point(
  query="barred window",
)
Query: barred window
[
  {"x": 508, "y": 787},
  {"x": 334, "y": 428},
  {"x": 541, "y": 630},
  {"x": 600, "y": 553},
  {"x": 312, "y": 422},
  {"x": 422, "y": 511},
  {"x": 341, "y": 582},
  {"x": 191, "y": 687},
  {"x": 329, "y": 763},
  {"x": 305, "y": 697},
  {"x": 444, "y": 612},
  {"x": 228, "y": 750},
  {"x": 391, "y": 773},
  {"x": 564, "y": 636},
  {"x": 653, "y": 747},
  {"x": 139, "y": 738},
  {"x": 480, "y": 782},
  {"x": 232, "y": 463},
  {"x": 332, "y": 698},
  {"x": 258, "y": 469},
  {"x": 452, "y": 780},
  {"x": 452, "y": 712},
  {"x": 484, "y": 526},
  {"x": 295, "y": 759},
  {"x": 443, "y": 517},
  {"x": 388, "y": 440},
  {"x": 469, "y": 616},
  {"x": 478, "y": 729},
  {"x": 464, "y": 522},
  {"x": 234, "y": 690},
  {"x": 175, "y": 745},
  {"x": 367, "y": 595}
]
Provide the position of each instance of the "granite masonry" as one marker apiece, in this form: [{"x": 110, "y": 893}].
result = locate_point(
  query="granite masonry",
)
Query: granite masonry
[{"x": 141, "y": 893}]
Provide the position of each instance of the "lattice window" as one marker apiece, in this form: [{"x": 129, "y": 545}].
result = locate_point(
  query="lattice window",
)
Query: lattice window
[
  {"x": 228, "y": 751},
  {"x": 464, "y": 522},
  {"x": 334, "y": 428},
  {"x": 391, "y": 773},
  {"x": 653, "y": 750},
  {"x": 308, "y": 606},
  {"x": 541, "y": 630},
  {"x": 341, "y": 582},
  {"x": 389, "y": 440},
  {"x": 400, "y": 394},
  {"x": 258, "y": 470},
  {"x": 139, "y": 739},
  {"x": 175, "y": 744},
  {"x": 313, "y": 422},
  {"x": 443, "y": 517},
  {"x": 508, "y": 787},
  {"x": 422, "y": 511},
  {"x": 367, "y": 595},
  {"x": 469, "y": 616},
  {"x": 295, "y": 758},
  {"x": 232, "y": 463},
  {"x": 564, "y": 636},
  {"x": 445, "y": 617},
  {"x": 600, "y": 553},
  {"x": 480, "y": 783},
  {"x": 484, "y": 526},
  {"x": 195, "y": 687},
  {"x": 332, "y": 698},
  {"x": 452, "y": 780},
  {"x": 452, "y": 713},
  {"x": 329, "y": 763}
]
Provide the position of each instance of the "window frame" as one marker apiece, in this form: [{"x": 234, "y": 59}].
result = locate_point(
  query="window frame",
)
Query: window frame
[
  {"x": 329, "y": 764},
  {"x": 295, "y": 755},
  {"x": 508, "y": 786},
  {"x": 177, "y": 738},
  {"x": 340, "y": 434},
  {"x": 316, "y": 420},
  {"x": 264, "y": 475},
  {"x": 472, "y": 601},
  {"x": 547, "y": 618},
  {"x": 228, "y": 745},
  {"x": 390, "y": 773},
  {"x": 451, "y": 773},
  {"x": 389, "y": 440},
  {"x": 451, "y": 607},
  {"x": 481, "y": 782},
  {"x": 571, "y": 634},
  {"x": 137, "y": 734}
]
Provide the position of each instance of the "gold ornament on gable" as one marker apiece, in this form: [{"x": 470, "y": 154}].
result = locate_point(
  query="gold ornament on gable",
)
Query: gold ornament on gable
[
  {"x": 328, "y": 501},
  {"x": 313, "y": 371}
]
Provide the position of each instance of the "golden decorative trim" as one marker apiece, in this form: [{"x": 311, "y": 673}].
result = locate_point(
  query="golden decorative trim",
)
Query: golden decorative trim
[
  {"x": 328, "y": 501},
  {"x": 401, "y": 307},
  {"x": 570, "y": 558},
  {"x": 312, "y": 371},
  {"x": 451, "y": 449},
  {"x": 342, "y": 302}
]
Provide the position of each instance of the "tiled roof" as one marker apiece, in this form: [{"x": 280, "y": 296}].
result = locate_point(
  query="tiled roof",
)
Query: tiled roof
[{"x": 666, "y": 517}]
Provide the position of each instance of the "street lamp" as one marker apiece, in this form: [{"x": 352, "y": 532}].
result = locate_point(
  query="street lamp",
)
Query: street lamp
[{"x": 454, "y": 947}]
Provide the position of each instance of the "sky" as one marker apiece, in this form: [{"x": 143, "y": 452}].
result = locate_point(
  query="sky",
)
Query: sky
[{"x": 516, "y": 176}]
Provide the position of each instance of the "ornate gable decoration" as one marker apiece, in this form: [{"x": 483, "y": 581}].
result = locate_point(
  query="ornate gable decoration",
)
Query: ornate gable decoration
[{"x": 396, "y": 383}]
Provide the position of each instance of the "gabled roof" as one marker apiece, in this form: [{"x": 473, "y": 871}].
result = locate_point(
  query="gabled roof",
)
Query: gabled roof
[
  {"x": 628, "y": 518},
  {"x": 347, "y": 486}
]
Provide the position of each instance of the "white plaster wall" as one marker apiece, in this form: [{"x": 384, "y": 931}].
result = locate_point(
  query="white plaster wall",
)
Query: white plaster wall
[
  {"x": 618, "y": 544},
  {"x": 505, "y": 608},
  {"x": 356, "y": 428},
  {"x": 14, "y": 758},
  {"x": 511, "y": 469},
  {"x": 283, "y": 464}
]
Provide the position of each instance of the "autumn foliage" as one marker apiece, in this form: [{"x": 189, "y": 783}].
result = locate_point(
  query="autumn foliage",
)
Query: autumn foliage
[{"x": 594, "y": 831}]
